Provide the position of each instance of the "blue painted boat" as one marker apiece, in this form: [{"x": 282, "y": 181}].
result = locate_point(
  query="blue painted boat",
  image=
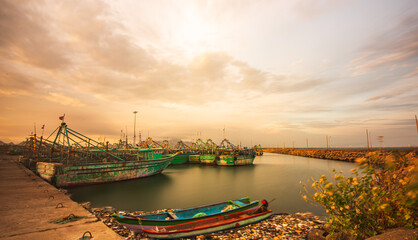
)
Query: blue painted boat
[
  {"x": 209, "y": 225},
  {"x": 137, "y": 223}
]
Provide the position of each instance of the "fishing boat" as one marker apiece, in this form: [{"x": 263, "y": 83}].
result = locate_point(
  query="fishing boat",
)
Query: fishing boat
[
  {"x": 208, "y": 159},
  {"x": 234, "y": 156},
  {"x": 209, "y": 225},
  {"x": 184, "y": 151},
  {"x": 65, "y": 162},
  {"x": 137, "y": 223},
  {"x": 194, "y": 158}
]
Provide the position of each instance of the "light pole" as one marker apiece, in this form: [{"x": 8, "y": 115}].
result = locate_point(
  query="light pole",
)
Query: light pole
[{"x": 135, "y": 112}]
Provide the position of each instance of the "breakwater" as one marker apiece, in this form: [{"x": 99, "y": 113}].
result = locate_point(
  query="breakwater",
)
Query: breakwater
[{"x": 341, "y": 155}]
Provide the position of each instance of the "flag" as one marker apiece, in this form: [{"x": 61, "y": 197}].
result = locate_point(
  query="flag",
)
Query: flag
[
  {"x": 62, "y": 117},
  {"x": 43, "y": 126}
]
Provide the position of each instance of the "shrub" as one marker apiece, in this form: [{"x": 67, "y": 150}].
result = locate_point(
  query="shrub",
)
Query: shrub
[{"x": 381, "y": 196}]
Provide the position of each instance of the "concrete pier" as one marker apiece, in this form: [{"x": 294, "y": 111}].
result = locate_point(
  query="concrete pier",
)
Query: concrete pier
[{"x": 29, "y": 206}]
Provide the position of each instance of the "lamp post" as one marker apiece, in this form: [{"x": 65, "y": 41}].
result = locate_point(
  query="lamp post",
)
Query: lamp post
[{"x": 135, "y": 112}]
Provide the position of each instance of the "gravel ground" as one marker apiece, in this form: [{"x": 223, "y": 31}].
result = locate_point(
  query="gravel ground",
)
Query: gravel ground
[{"x": 278, "y": 226}]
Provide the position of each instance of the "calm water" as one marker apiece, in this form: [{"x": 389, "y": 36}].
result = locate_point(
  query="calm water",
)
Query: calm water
[{"x": 272, "y": 176}]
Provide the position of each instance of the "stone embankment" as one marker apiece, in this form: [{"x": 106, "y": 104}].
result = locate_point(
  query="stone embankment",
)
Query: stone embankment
[{"x": 341, "y": 155}]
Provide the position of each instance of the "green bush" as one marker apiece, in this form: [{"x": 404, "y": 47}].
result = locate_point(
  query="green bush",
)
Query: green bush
[{"x": 381, "y": 196}]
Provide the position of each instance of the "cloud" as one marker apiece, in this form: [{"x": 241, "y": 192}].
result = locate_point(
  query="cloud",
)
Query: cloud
[
  {"x": 86, "y": 47},
  {"x": 392, "y": 49},
  {"x": 26, "y": 38},
  {"x": 64, "y": 100},
  {"x": 315, "y": 8},
  {"x": 395, "y": 92}
]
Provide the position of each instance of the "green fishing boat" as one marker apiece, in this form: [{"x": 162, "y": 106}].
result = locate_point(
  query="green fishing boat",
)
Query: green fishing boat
[
  {"x": 181, "y": 158},
  {"x": 234, "y": 156},
  {"x": 226, "y": 160},
  {"x": 65, "y": 162},
  {"x": 208, "y": 159},
  {"x": 184, "y": 151},
  {"x": 244, "y": 160},
  {"x": 194, "y": 158}
]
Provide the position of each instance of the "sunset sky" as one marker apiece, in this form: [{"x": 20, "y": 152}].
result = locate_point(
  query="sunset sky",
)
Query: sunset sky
[{"x": 268, "y": 72}]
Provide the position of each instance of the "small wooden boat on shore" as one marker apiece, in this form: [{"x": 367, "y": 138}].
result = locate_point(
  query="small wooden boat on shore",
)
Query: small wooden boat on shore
[
  {"x": 209, "y": 225},
  {"x": 138, "y": 223}
]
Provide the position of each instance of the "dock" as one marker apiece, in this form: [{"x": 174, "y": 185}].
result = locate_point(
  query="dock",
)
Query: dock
[{"x": 30, "y": 208}]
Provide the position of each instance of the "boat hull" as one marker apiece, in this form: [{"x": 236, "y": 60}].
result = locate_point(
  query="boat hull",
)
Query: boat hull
[
  {"x": 66, "y": 175},
  {"x": 139, "y": 223},
  {"x": 180, "y": 159},
  {"x": 244, "y": 160},
  {"x": 208, "y": 159},
  {"x": 194, "y": 158},
  {"x": 226, "y": 160},
  {"x": 213, "y": 225},
  {"x": 238, "y": 160}
]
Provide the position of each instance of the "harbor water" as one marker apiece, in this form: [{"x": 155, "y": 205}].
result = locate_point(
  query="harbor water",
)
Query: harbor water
[{"x": 273, "y": 176}]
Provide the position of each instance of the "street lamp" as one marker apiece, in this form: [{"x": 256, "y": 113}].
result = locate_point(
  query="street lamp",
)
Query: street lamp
[{"x": 135, "y": 112}]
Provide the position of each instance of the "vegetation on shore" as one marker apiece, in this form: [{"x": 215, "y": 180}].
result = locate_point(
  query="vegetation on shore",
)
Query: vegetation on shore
[{"x": 380, "y": 195}]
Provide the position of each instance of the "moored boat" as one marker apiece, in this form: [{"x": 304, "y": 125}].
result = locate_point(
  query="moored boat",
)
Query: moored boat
[
  {"x": 244, "y": 160},
  {"x": 235, "y": 160},
  {"x": 226, "y": 160},
  {"x": 209, "y": 225},
  {"x": 65, "y": 162},
  {"x": 137, "y": 223},
  {"x": 74, "y": 174},
  {"x": 208, "y": 159},
  {"x": 194, "y": 158},
  {"x": 180, "y": 158}
]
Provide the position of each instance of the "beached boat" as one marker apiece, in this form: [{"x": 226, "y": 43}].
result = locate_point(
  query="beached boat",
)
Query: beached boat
[
  {"x": 137, "y": 223},
  {"x": 209, "y": 225}
]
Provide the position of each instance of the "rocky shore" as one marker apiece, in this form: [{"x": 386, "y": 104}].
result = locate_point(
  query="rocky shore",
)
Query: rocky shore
[
  {"x": 341, "y": 155},
  {"x": 279, "y": 226}
]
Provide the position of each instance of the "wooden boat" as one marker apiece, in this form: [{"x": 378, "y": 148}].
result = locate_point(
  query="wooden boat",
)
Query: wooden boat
[
  {"x": 209, "y": 225},
  {"x": 244, "y": 160},
  {"x": 66, "y": 162},
  {"x": 208, "y": 159},
  {"x": 74, "y": 174},
  {"x": 235, "y": 160},
  {"x": 195, "y": 158},
  {"x": 137, "y": 223},
  {"x": 180, "y": 158}
]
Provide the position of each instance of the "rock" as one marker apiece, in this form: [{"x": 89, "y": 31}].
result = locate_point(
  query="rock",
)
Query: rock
[
  {"x": 398, "y": 234},
  {"x": 316, "y": 234},
  {"x": 109, "y": 209}
]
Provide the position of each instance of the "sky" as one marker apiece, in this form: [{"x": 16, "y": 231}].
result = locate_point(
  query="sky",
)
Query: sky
[{"x": 275, "y": 73}]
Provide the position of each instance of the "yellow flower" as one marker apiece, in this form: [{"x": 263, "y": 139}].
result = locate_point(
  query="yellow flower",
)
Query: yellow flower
[
  {"x": 328, "y": 185},
  {"x": 357, "y": 211},
  {"x": 305, "y": 197},
  {"x": 383, "y": 206}
]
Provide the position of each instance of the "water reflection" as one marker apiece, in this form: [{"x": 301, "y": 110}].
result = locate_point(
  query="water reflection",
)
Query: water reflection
[{"x": 272, "y": 176}]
